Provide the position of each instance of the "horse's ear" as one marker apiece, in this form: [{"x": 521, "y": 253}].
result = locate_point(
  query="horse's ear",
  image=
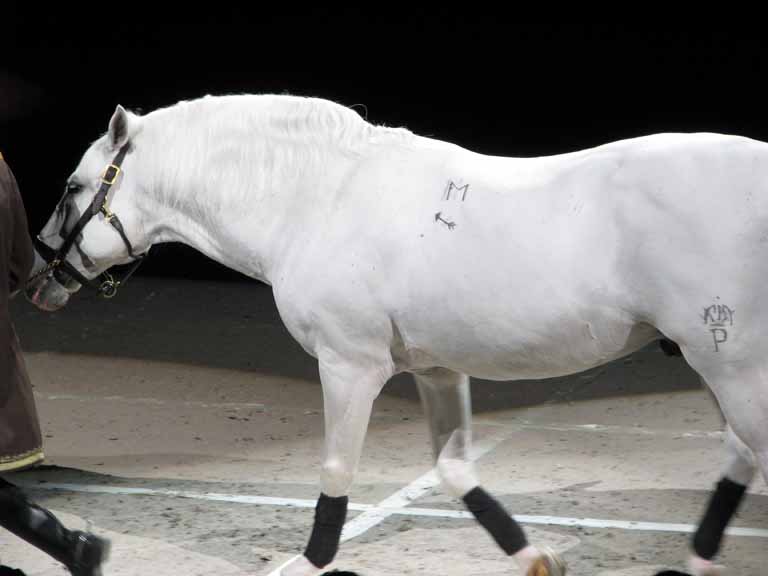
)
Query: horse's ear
[{"x": 120, "y": 127}]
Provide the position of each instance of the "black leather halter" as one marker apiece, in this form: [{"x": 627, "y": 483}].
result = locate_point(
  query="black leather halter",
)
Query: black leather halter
[{"x": 106, "y": 285}]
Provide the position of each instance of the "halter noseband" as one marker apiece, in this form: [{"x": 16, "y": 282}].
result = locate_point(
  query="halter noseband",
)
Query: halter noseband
[{"x": 105, "y": 285}]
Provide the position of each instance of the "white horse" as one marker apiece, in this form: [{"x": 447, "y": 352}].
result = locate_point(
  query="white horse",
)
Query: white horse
[{"x": 389, "y": 252}]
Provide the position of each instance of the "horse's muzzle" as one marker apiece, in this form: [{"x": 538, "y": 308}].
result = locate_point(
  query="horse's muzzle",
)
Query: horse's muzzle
[{"x": 44, "y": 290}]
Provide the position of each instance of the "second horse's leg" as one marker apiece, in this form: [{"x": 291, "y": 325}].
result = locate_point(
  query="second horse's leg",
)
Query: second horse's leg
[{"x": 446, "y": 399}]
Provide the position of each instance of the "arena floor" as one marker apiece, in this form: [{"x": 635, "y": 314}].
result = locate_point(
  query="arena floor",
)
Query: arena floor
[{"x": 182, "y": 421}]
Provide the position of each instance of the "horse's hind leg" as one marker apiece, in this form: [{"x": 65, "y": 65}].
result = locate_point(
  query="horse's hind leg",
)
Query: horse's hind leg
[
  {"x": 723, "y": 503},
  {"x": 744, "y": 402},
  {"x": 446, "y": 399}
]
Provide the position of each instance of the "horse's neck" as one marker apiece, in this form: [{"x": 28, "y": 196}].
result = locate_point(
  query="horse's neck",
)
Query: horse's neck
[{"x": 245, "y": 227}]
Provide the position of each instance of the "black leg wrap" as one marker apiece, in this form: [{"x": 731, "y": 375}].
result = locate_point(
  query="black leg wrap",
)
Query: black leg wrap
[
  {"x": 722, "y": 506},
  {"x": 330, "y": 514},
  {"x": 492, "y": 516}
]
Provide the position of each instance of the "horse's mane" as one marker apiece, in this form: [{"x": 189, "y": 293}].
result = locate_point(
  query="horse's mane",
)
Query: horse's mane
[
  {"x": 288, "y": 134},
  {"x": 283, "y": 117}
]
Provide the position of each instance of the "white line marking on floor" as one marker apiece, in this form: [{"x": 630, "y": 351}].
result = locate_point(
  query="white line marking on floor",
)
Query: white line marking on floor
[
  {"x": 390, "y": 510},
  {"x": 402, "y": 511}
]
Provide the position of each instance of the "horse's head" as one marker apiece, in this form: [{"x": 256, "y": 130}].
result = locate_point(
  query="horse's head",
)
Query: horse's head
[{"x": 96, "y": 224}]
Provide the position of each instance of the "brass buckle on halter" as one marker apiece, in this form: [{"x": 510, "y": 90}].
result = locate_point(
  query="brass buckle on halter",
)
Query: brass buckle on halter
[
  {"x": 107, "y": 179},
  {"x": 108, "y": 215}
]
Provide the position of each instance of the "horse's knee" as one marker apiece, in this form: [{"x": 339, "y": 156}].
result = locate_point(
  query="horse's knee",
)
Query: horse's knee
[{"x": 337, "y": 477}]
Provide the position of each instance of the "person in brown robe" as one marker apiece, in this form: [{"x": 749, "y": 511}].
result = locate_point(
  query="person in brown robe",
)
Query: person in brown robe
[{"x": 20, "y": 439}]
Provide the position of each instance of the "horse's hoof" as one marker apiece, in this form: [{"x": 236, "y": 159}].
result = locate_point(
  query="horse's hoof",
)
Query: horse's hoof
[
  {"x": 700, "y": 567},
  {"x": 548, "y": 564},
  {"x": 671, "y": 573}
]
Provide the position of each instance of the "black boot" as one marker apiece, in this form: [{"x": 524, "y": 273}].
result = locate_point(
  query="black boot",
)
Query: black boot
[
  {"x": 81, "y": 552},
  {"x": 90, "y": 552}
]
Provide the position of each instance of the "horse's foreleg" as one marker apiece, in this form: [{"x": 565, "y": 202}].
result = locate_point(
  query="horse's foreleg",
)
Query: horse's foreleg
[
  {"x": 348, "y": 395},
  {"x": 446, "y": 399}
]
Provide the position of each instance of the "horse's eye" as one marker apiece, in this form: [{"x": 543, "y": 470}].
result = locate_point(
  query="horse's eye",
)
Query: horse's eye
[{"x": 73, "y": 188}]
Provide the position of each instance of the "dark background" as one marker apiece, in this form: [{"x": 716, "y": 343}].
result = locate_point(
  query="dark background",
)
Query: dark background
[{"x": 492, "y": 80}]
